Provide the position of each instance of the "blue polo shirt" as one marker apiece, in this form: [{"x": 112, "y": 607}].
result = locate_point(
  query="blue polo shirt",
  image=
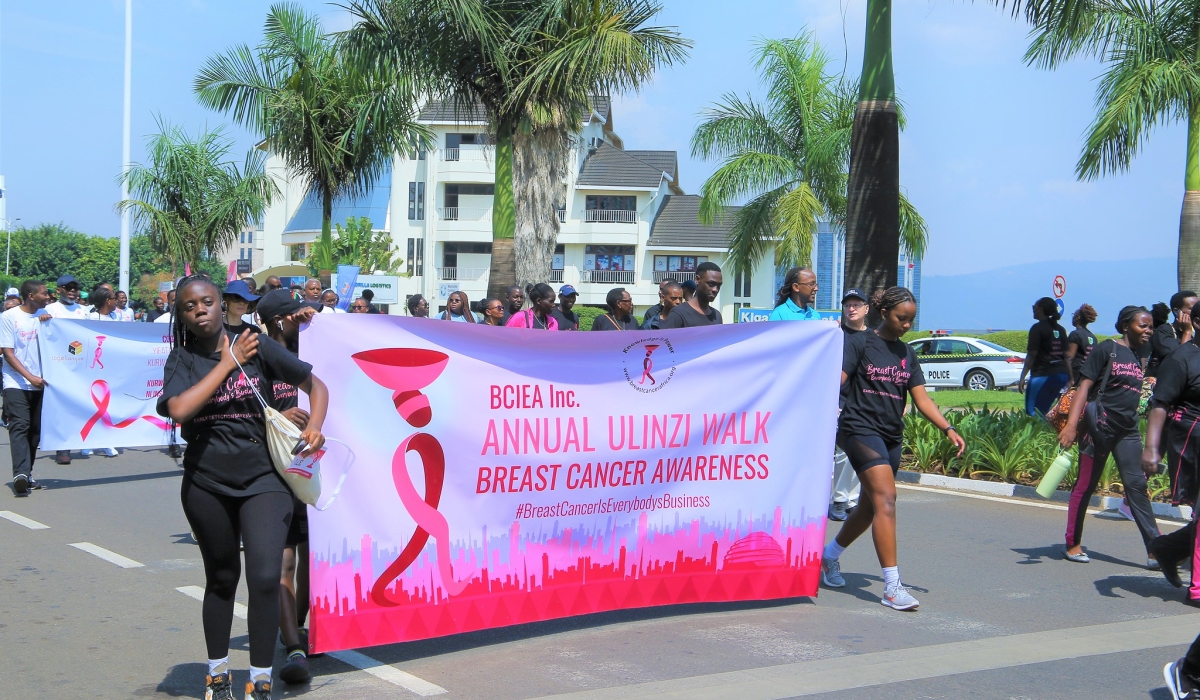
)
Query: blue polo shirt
[{"x": 788, "y": 311}]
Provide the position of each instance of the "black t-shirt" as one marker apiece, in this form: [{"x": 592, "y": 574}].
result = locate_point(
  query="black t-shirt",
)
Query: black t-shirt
[
  {"x": 849, "y": 333},
  {"x": 684, "y": 316},
  {"x": 1049, "y": 341},
  {"x": 237, "y": 330},
  {"x": 1177, "y": 386},
  {"x": 879, "y": 374},
  {"x": 1085, "y": 340},
  {"x": 1162, "y": 342},
  {"x": 226, "y": 441},
  {"x": 1124, "y": 387},
  {"x": 567, "y": 320},
  {"x": 609, "y": 322},
  {"x": 153, "y": 314}
]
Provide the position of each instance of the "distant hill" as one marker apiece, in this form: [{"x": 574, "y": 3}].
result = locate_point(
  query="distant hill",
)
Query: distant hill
[{"x": 1003, "y": 298}]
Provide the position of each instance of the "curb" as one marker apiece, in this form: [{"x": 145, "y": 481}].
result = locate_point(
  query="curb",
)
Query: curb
[{"x": 993, "y": 488}]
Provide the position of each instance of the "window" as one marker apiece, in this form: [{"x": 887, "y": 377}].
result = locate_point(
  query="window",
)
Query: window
[
  {"x": 450, "y": 251},
  {"x": 923, "y": 348},
  {"x": 679, "y": 263},
  {"x": 456, "y": 140},
  {"x": 609, "y": 257},
  {"x": 299, "y": 252},
  {"x": 953, "y": 347},
  {"x": 611, "y": 202},
  {"x": 741, "y": 285},
  {"x": 416, "y": 201},
  {"x": 559, "y": 260},
  {"x": 416, "y": 256}
]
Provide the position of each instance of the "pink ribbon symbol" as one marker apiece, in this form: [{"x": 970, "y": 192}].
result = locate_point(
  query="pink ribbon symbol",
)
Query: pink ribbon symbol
[
  {"x": 101, "y": 400},
  {"x": 647, "y": 365}
]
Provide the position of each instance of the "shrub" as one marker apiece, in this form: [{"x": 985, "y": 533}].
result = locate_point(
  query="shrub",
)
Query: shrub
[
  {"x": 587, "y": 316},
  {"x": 1013, "y": 340}
]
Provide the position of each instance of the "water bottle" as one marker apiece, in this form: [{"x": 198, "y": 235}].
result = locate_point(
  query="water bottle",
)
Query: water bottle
[{"x": 1054, "y": 475}]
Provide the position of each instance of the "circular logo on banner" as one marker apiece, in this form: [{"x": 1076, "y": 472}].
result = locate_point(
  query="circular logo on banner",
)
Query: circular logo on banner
[{"x": 649, "y": 364}]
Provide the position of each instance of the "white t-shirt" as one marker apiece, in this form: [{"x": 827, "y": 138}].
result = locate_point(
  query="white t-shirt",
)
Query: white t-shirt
[
  {"x": 61, "y": 310},
  {"x": 97, "y": 316},
  {"x": 165, "y": 318},
  {"x": 125, "y": 314},
  {"x": 19, "y": 331},
  {"x": 331, "y": 310}
]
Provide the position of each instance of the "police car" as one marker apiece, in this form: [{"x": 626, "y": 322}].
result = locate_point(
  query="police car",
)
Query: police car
[{"x": 971, "y": 363}]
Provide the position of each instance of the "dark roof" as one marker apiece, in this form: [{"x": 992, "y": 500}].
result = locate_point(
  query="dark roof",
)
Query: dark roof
[
  {"x": 609, "y": 166},
  {"x": 449, "y": 111},
  {"x": 603, "y": 106},
  {"x": 677, "y": 225}
]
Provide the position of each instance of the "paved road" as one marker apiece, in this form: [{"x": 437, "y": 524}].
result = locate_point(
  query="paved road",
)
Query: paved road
[{"x": 1002, "y": 616}]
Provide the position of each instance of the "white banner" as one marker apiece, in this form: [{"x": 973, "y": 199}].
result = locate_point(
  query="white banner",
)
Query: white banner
[{"x": 103, "y": 379}]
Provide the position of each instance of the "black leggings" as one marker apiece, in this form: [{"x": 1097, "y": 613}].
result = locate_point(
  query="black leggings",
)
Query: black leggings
[
  {"x": 262, "y": 522},
  {"x": 866, "y": 451},
  {"x": 1127, "y": 453}
]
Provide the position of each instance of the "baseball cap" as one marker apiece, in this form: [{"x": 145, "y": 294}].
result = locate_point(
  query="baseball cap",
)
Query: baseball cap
[
  {"x": 278, "y": 302},
  {"x": 239, "y": 288},
  {"x": 67, "y": 279},
  {"x": 688, "y": 284},
  {"x": 855, "y": 293},
  {"x": 566, "y": 290},
  {"x": 12, "y": 292}
]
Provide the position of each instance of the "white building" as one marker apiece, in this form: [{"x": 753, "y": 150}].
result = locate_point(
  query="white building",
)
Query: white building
[{"x": 626, "y": 222}]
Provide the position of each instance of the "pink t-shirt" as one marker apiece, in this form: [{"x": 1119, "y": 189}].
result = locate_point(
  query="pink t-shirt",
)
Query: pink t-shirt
[{"x": 526, "y": 319}]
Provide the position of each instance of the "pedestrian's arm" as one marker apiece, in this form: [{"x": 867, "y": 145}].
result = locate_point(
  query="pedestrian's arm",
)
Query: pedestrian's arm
[
  {"x": 1152, "y": 454},
  {"x": 11, "y": 359},
  {"x": 1067, "y": 437},
  {"x": 318, "y": 404},
  {"x": 930, "y": 410}
]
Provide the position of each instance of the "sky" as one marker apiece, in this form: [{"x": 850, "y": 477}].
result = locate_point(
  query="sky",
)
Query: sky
[{"x": 987, "y": 157}]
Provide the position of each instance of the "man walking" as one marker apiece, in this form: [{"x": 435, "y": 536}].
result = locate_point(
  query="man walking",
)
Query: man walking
[
  {"x": 123, "y": 312},
  {"x": 698, "y": 311},
  {"x": 567, "y": 319},
  {"x": 22, "y": 382},
  {"x": 671, "y": 295},
  {"x": 514, "y": 299},
  {"x": 67, "y": 306},
  {"x": 795, "y": 302},
  {"x": 846, "y": 487}
]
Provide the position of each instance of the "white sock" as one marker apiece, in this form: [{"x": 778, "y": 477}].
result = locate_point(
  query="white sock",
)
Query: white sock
[
  {"x": 217, "y": 667},
  {"x": 833, "y": 550},
  {"x": 260, "y": 674},
  {"x": 891, "y": 576}
]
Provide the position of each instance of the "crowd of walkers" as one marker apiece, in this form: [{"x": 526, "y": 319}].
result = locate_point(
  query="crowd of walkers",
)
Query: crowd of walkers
[{"x": 236, "y": 502}]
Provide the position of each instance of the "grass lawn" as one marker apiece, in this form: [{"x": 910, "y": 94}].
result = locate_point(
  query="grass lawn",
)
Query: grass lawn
[{"x": 957, "y": 398}]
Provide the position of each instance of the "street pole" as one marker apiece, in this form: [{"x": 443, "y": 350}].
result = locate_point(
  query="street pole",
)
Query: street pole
[
  {"x": 8, "y": 248},
  {"x": 124, "y": 282}
]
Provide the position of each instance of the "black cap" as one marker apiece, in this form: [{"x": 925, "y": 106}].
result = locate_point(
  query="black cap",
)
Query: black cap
[
  {"x": 855, "y": 294},
  {"x": 278, "y": 302}
]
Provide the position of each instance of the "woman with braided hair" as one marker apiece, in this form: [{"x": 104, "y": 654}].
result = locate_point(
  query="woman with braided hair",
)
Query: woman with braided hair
[
  {"x": 881, "y": 372},
  {"x": 1112, "y": 382}
]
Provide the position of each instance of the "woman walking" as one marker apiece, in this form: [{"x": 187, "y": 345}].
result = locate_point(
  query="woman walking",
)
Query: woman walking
[
  {"x": 1112, "y": 381},
  {"x": 458, "y": 308},
  {"x": 230, "y": 486},
  {"x": 538, "y": 316},
  {"x": 1168, "y": 336},
  {"x": 881, "y": 372},
  {"x": 1081, "y": 341},
  {"x": 1045, "y": 359},
  {"x": 237, "y": 300},
  {"x": 620, "y": 312},
  {"x": 493, "y": 312},
  {"x": 104, "y": 304}
]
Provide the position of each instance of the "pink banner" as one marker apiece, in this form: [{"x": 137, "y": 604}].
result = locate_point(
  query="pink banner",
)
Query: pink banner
[{"x": 505, "y": 476}]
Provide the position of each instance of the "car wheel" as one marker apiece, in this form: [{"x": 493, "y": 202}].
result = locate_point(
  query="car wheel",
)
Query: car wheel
[{"x": 978, "y": 380}]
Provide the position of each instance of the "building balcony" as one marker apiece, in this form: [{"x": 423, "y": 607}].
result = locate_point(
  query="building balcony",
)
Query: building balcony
[
  {"x": 461, "y": 274},
  {"x": 680, "y": 277},
  {"x": 556, "y": 276},
  {"x": 464, "y": 214},
  {"x": 466, "y": 153},
  {"x": 609, "y": 216},
  {"x": 606, "y": 276}
]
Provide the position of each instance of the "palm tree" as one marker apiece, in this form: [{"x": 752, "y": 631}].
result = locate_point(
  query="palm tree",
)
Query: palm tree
[
  {"x": 533, "y": 65},
  {"x": 873, "y": 216},
  {"x": 1151, "y": 53},
  {"x": 191, "y": 199},
  {"x": 788, "y": 156},
  {"x": 334, "y": 125}
]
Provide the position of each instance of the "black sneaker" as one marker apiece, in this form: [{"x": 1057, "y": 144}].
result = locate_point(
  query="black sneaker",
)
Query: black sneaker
[
  {"x": 1168, "y": 565},
  {"x": 837, "y": 511},
  {"x": 258, "y": 691},
  {"x": 295, "y": 671},
  {"x": 62, "y": 457},
  {"x": 219, "y": 687},
  {"x": 35, "y": 486},
  {"x": 1181, "y": 687},
  {"x": 304, "y": 643},
  {"x": 21, "y": 485}
]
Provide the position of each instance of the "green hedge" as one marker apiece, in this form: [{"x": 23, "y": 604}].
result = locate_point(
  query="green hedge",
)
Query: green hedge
[{"x": 587, "y": 316}]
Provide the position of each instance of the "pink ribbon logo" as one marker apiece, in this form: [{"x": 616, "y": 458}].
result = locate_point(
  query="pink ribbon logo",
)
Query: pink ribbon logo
[
  {"x": 647, "y": 365},
  {"x": 101, "y": 396}
]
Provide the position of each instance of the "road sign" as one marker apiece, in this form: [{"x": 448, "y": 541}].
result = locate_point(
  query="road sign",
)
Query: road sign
[
  {"x": 1062, "y": 308},
  {"x": 1060, "y": 286}
]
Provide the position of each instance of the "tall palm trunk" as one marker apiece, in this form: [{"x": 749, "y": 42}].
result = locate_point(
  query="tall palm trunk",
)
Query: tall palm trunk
[
  {"x": 503, "y": 272},
  {"x": 1189, "y": 219},
  {"x": 326, "y": 232},
  {"x": 873, "y": 195},
  {"x": 539, "y": 164}
]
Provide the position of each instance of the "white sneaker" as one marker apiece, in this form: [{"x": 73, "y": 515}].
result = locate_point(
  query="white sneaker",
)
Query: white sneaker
[
  {"x": 897, "y": 598},
  {"x": 111, "y": 451},
  {"x": 831, "y": 573},
  {"x": 86, "y": 453}
]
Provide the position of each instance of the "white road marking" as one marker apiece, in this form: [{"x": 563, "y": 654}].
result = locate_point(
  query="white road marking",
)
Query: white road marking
[
  {"x": 1016, "y": 501},
  {"x": 914, "y": 663},
  {"x": 391, "y": 674},
  {"x": 22, "y": 520},
  {"x": 106, "y": 555},
  {"x": 197, "y": 592}
]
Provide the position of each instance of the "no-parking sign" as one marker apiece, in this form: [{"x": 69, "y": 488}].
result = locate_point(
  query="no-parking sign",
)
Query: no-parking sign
[{"x": 1060, "y": 287}]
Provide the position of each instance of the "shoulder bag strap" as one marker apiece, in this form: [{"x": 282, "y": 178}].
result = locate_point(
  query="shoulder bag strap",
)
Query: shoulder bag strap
[{"x": 248, "y": 382}]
